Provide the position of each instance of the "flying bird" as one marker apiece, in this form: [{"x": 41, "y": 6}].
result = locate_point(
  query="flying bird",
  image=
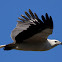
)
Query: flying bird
[{"x": 31, "y": 33}]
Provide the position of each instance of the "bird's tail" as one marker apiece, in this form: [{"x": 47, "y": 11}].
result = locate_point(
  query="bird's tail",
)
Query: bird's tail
[
  {"x": 1, "y": 46},
  {"x": 8, "y": 47}
]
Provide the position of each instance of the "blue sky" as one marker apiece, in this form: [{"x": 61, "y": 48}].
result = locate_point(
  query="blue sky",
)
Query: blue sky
[{"x": 10, "y": 10}]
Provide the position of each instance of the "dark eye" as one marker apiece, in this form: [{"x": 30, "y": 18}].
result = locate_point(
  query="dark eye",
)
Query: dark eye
[{"x": 55, "y": 41}]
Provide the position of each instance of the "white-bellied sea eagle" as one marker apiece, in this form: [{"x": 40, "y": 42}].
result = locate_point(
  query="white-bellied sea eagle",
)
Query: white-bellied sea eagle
[{"x": 31, "y": 34}]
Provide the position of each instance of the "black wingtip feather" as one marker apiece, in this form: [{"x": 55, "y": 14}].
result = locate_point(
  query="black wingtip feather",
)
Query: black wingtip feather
[
  {"x": 47, "y": 17},
  {"x": 31, "y": 14},
  {"x": 43, "y": 18}
]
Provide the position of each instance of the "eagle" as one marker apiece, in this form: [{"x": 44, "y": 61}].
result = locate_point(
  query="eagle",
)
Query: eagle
[{"x": 31, "y": 33}]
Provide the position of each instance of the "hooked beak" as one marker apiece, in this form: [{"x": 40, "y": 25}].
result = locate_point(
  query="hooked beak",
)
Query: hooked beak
[{"x": 61, "y": 43}]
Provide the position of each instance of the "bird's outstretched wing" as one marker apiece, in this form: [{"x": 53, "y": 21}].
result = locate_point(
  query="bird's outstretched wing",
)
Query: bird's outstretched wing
[{"x": 31, "y": 28}]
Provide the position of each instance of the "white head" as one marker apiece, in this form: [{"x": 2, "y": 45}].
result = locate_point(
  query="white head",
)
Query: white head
[{"x": 54, "y": 42}]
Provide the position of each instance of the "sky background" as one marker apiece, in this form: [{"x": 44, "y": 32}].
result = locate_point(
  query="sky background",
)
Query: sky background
[{"x": 10, "y": 10}]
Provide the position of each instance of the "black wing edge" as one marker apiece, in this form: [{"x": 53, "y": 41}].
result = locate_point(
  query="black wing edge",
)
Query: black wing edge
[
  {"x": 39, "y": 26},
  {"x": 47, "y": 21}
]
